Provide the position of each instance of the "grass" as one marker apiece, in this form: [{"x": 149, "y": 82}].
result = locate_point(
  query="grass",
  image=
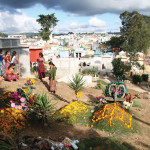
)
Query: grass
[
  {"x": 137, "y": 104},
  {"x": 85, "y": 119},
  {"x": 117, "y": 127},
  {"x": 103, "y": 144}
]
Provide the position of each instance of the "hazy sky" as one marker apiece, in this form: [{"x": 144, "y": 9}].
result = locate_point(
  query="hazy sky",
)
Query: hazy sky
[{"x": 74, "y": 15}]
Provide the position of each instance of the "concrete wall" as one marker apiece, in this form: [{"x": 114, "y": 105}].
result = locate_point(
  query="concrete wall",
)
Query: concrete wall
[
  {"x": 23, "y": 53},
  {"x": 66, "y": 66}
]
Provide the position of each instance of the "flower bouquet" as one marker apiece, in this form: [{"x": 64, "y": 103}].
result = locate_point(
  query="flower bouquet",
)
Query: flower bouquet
[
  {"x": 17, "y": 101},
  {"x": 128, "y": 102},
  {"x": 100, "y": 100},
  {"x": 30, "y": 82}
]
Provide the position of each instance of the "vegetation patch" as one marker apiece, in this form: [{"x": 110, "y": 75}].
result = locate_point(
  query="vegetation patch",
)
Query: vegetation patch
[
  {"x": 103, "y": 144},
  {"x": 74, "y": 113},
  {"x": 114, "y": 118}
]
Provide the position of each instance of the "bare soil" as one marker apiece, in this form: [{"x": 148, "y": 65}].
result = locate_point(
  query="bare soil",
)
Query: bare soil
[{"x": 57, "y": 131}]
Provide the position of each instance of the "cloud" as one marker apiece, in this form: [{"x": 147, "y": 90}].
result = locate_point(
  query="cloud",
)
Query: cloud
[
  {"x": 95, "y": 22},
  {"x": 94, "y": 25},
  {"x": 82, "y": 7},
  {"x": 13, "y": 23},
  {"x": 16, "y": 23}
]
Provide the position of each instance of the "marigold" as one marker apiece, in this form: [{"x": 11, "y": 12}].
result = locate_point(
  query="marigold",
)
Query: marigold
[
  {"x": 12, "y": 120},
  {"x": 113, "y": 111}
]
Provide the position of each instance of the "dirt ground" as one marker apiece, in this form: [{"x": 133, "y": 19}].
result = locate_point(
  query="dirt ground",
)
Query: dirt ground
[{"x": 57, "y": 131}]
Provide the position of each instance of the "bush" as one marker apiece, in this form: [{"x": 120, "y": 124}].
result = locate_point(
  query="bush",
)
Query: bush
[
  {"x": 136, "y": 79},
  {"x": 119, "y": 68},
  {"x": 145, "y": 77},
  {"x": 42, "y": 108},
  {"x": 89, "y": 71},
  {"x": 85, "y": 71}
]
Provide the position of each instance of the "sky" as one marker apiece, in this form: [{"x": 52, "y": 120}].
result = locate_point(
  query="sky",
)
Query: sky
[{"x": 78, "y": 16}]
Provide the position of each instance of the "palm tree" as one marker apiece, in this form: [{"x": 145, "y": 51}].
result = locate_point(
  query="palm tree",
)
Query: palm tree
[{"x": 77, "y": 84}]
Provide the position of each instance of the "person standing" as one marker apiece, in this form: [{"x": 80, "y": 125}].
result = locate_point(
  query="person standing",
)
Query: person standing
[
  {"x": 41, "y": 71},
  {"x": 1, "y": 62},
  {"x": 52, "y": 80},
  {"x": 15, "y": 60},
  {"x": 7, "y": 60}
]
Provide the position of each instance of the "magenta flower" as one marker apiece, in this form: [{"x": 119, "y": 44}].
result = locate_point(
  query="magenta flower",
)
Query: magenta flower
[{"x": 28, "y": 82}]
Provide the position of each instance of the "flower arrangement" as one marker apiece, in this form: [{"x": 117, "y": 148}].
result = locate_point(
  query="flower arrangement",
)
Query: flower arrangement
[
  {"x": 17, "y": 101},
  {"x": 13, "y": 120},
  {"x": 32, "y": 99},
  {"x": 72, "y": 113},
  {"x": 78, "y": 94},
  {"x": 29, "y": 82},
  {"x": 128, "y": 103},
  {"x": 113, "y": 112},
  {"x": 101, "y": 100}
]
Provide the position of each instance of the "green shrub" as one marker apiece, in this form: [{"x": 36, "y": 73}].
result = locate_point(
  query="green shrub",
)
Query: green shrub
[
  {"x": 84, "y": 71},
  {"x": 136, "y": 79},
  {"x": 43, "y": 107},
  {"x": 89, "y": 71},
  {"x": 145, "y": 77},
  {"x": 119, "y": 68}
]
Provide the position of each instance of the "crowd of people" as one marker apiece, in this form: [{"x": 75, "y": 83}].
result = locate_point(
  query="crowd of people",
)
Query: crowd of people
[{"x": 9, "y": 66}]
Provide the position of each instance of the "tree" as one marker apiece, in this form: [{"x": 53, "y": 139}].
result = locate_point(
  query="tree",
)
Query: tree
[
  {"x": 115, "y": 42},
  {"x": 47, "y": 22},
  {"x": 65, "y": 43},
  {"x": 119, "y": 68},
  {"x": 3, "y": 35},
  {"x": 136, "y": 33}
]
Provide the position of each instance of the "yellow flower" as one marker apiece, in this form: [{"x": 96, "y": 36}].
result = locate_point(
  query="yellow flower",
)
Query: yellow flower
[
  {"x": 32, "y": 80},
  {"x": 2, "y": 111},
  {"x": 28, "y": 78}
]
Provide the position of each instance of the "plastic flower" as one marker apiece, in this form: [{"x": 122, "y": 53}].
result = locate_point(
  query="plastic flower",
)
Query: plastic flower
[
  {"x": 19, "y": 107},
  {"x": 13, "y": 105},
  {"x": 79, "y": 94},
  {"x": 32, "y": 80},
  {"x": 22, "y": 99},
  {"x": 23, "y": 104}
]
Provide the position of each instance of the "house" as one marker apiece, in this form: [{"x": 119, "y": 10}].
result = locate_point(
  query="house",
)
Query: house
[
  {"x": 79, "y": 52},
  {"x": 63, "y": 52}
]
